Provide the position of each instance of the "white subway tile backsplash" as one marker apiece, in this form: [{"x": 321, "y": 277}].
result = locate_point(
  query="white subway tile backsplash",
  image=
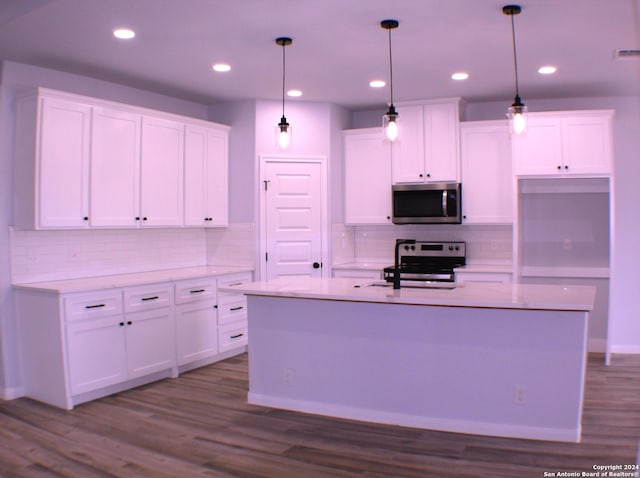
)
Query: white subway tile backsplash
[
  {"x": 53, "y": 255},
  {"x": 234, "y": 245}
]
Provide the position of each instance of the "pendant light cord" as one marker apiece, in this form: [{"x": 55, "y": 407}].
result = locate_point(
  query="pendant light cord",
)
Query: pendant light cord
[
  {"x": 283, "y": 74},
  {"x": 390, "y": 67},
  {"x": 515, "y": 55}
]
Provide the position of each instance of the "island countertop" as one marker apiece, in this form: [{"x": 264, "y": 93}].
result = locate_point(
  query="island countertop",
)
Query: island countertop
[{"x": 484, "y": 295}]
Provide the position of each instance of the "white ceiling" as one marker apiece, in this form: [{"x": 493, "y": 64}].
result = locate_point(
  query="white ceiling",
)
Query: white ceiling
[{"x": 338, "y": 46}]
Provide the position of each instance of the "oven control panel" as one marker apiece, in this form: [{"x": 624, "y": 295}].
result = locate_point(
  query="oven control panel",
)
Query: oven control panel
[{"x": 433, "y": 249}]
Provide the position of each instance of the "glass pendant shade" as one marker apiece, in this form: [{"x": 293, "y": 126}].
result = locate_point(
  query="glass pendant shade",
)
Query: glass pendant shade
[
  {"x": 517, "y": 114},
  {"x": 283, "y": 134},
  {"x": 390, "y": 124}
]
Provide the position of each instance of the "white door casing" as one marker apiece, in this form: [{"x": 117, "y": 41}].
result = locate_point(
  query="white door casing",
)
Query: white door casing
[{"x": 293, "y": 225}]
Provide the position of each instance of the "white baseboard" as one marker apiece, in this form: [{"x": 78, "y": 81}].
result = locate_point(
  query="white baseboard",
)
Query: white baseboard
[
  {"x": 625, "y": 349},
  {"x": 418, "y": 421},
  {"x": 12, "y": 393}
]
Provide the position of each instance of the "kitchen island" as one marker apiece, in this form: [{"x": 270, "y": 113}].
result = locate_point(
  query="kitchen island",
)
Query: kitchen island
[{"x": 492, "y": 359}]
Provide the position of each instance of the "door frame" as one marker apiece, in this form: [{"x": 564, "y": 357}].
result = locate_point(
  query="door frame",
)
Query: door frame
[{"x": 265, "y": 159}]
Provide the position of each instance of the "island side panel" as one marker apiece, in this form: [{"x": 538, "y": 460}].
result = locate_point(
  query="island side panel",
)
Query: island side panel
[{"x": 504, "y": 372}]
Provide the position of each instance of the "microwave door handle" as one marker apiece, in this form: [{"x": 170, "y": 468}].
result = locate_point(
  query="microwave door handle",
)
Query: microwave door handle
[{"x": 445, "y": 209}]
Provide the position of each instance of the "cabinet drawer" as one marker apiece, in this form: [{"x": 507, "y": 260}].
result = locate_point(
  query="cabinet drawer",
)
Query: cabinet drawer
[
  {"x": 200, "y": 289},
  {"x": 232, "y": 308},
  {"x": 234, "y": 279},
  {"x": 94, "y": 305},
  {"x": 147, "y": 297},
  {"x": 232, "y": 336}
]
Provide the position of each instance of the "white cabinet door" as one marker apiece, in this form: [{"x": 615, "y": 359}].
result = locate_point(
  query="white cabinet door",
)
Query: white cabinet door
[
  {"x": 206, "y": 177},
  {"x": 115, "y": 168},
  {"x": 367, "y": 177},
  {"x": 196, "y": 331},
  {"x": 487, "y": 180},
  {"x": 427, "y": 145},
  {"x": 539, "y": 150},
  {"x": 441, "y": 142},
  {"x": 96, "y": 353},
  {"x": 63, "y": 164},
  {"x": 407, "y": 151},
  {"x": 587, "y": 144},
  {"x": 150, "y": 344},
  {"x": 565, "y": 143},
  {"x": 162, "y": 151}
]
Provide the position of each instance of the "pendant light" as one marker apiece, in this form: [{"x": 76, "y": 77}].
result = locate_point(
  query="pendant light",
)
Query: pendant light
[
  {"x": 283, "y": 130},
  {"x": 389, "y": 119},
  {"x": 517, "y": 112}
]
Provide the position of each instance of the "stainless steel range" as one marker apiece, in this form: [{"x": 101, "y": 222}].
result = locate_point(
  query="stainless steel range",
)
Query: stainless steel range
[{"x": 421, "y": 262}]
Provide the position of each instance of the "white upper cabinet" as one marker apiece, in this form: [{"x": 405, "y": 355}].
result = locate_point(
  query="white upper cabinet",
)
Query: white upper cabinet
[
  {"x": 115, "y": 168},
  {"x": 161, "y": 181},
  {"x": 52, "y": 164},
  {"x": 565, "y": 143},
  {"x": 83, "y": 162},
  {"x": 487, "y": 178},
  {"x": 427, "y": 145},
  {"x": 206, "y": 172},
  {"x": 367, "y": 177}
]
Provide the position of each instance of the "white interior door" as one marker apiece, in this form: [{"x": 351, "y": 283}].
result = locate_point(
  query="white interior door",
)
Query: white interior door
[{"x": 292, "y": 218}]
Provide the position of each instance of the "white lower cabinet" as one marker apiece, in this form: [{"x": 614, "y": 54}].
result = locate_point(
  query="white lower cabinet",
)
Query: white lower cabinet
[
  {"x": 232, "y": 313},
  {"x": 196, "y": 320},
  {"x": 85, "y": 345}
]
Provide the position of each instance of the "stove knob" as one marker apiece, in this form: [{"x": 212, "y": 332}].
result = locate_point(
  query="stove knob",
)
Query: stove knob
[
  {"x": 413, "y": 248},
  {"x": 450, "y": 247},
  {"x": 457, "y": 248},
  {"x": 406, "y": 248}
]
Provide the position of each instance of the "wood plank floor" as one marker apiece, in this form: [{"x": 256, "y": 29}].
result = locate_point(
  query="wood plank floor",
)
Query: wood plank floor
[{"x": 200, "y": 425}]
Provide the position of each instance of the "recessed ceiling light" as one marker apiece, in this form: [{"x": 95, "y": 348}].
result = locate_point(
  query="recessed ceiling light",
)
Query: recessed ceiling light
[
  {"x": 294, "y": 93},
  {"x": 461, "y": 75},
  {"x": 547, "y": 70},
  {"x": 124, "y": 33},
  {"x": 377, "y": 83},
  {"x": 221, "y": 67}
]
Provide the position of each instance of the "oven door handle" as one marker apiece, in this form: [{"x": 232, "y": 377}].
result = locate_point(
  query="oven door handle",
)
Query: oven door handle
[{"x": 445, "y": 208}]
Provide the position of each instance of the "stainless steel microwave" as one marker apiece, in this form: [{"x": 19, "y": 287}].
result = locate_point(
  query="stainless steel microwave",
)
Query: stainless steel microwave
[{"x": 427, "y": 203}]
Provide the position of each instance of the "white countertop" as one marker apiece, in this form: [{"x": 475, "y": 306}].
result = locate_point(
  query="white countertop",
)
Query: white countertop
[
  {"x": 129, "y": 280},
  {"x": 488, "y": 295},
  {"x": 378, "y": 266}
]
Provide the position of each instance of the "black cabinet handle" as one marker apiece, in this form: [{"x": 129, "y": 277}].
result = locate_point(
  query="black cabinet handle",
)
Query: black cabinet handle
[
  {"x": 559, "y": 168},
  {"x": 144, "y": 218},
  {"x": 428, "y": 175},
  {"x": 155, "y": 297},
  {"x": 97, "y": 306},
  {"x": 316, "y": 265},
  {"x": 137, "y": 218},
  {"x": 421, "y": 175},
  {"x": 235, "y": 283},
  {"x": 236, "y": 336},
  {"x": 121, "y": 324},
  {"x": 566, "y": 168},
  {"x": 129, "y": 322},
  {"x": 85, "y": 218},
  {"x": 233, "y": 309},
  {"x": 196, "y": 291}
]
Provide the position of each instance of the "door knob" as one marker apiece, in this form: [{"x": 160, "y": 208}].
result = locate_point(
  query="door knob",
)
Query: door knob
[{"x": 316, "y": 265}]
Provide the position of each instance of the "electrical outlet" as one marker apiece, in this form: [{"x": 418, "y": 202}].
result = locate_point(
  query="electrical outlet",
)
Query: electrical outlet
[
  {"x": 288, "y": 376},
  {"x": 519, "y": 394},
  {"x": 568, "y": 244}
]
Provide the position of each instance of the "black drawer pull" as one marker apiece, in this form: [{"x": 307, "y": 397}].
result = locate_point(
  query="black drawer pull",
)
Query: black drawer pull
[
  {"x": 97, "y": 306},
  {"x": 129, "y": 322},
  {"x": 236, "y": 336},
  {"x": 155, "y": 297},
  {"x": 197, "y": 291},
  {"x": 235, "y": 283},
  {"x": 121, "y": 324},
  {"x": 233, "y": 309}
]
